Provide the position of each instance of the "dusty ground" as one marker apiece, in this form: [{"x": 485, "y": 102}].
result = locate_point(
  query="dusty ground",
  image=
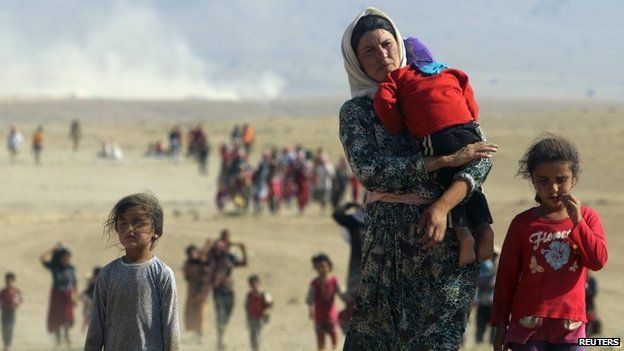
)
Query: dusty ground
[{"x": 67, "y": 198}]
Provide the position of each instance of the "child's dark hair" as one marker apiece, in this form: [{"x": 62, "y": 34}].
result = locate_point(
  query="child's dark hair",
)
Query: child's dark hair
[
  {"x": 145, "y": 201},
  {"x": 253, "y": 279},
  {"x": 224, "y": 233},
  {"x": 549, "y": 148},
  {"x": 9, "y": 276},
  {"x": 190, "y": 249},
  {"x": 322, "y": 258},
  {"x": 57, "y": 254}
]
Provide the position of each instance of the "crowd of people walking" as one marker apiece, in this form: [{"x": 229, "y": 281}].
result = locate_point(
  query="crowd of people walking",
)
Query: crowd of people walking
[{"x": 292, "y": 175}]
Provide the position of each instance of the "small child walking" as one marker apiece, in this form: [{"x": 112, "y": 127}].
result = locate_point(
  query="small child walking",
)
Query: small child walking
[
  {"x": 258, "y": 303},
  {"x": 135, "y": 305},
  {"x": 539, "y": 296},
  {"x": 63, "y": 294},
  {"x": 10, "y": 299},
  {"x": 321, "y": 300}
]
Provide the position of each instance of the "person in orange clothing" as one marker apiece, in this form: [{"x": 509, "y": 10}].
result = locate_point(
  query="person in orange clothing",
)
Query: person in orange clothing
[
  {"x": 37, "y": 144},
  {"x": 249, "y": 137}
]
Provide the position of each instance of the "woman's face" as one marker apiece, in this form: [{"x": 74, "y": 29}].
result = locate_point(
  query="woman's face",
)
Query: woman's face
[{"x": 378, "y": 53}]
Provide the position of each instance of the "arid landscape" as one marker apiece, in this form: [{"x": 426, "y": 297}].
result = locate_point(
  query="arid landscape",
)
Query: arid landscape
[{"x": 67, "y": 198}]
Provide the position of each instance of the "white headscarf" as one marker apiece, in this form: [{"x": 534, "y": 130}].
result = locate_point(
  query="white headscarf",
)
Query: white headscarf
[{"x": 359, "y": 82}]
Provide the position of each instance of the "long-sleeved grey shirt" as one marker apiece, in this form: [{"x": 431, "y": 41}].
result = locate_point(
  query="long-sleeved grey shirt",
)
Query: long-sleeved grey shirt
[{"x": 135, "y": 307}]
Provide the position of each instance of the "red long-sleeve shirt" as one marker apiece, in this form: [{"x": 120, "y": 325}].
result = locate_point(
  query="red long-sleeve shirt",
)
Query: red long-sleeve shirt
[
  {"x": 543, "y": 266},
  {"x": 425, "y": 104}
]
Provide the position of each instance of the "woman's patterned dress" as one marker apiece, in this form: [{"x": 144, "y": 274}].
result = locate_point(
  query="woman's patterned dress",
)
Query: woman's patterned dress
[{"x": 409, "y": 298}]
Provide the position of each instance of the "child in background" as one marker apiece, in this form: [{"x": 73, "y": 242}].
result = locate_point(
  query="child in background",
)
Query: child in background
[
  {"x": 350, "y": 217},
  {"x": 63, "y": 294},
  {"x": 87, "y": 299},
  {"x": 135, "y": 305},
  {"x": 221, "y": 265},
  {"x": 321, "y": 300},
  {"x": 196, "y": 276},
  {"x": 257, "y": 304},
  {"x": 436, "y": 105},
  {"x": 594, "y": 324},
  {"x": 539, "y": 297},
  {"x": 10, "y": 299},
  {"x": 484, "y": 297}
]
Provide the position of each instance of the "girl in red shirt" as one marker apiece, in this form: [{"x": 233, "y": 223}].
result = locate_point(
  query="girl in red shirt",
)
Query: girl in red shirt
[
  {"x": 321, "y": 300},
  {"x": 539, "y": 298},
  {"x": 257, "y": 304}
]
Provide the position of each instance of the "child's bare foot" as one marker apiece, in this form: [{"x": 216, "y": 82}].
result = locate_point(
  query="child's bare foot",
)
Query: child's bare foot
[
  {"x": 485, "y": 242},
  {"x": 466, "y": 246}
]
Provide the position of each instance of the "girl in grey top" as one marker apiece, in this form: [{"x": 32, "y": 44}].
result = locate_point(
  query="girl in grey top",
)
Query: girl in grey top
[{"x": 135, "y": 306}]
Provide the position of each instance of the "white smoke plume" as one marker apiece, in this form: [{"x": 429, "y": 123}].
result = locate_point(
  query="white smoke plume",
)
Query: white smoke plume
[{"x": 128, "y": 52}]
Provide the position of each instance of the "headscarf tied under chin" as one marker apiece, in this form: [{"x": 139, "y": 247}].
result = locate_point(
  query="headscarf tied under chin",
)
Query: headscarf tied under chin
[{"x": 360, "y": 83}]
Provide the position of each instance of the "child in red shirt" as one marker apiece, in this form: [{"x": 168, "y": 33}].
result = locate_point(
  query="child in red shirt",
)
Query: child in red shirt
[
  {"x": 539, "y": 297},
  {"x": 436, "y": 104},
  {"x": 10, "y": 299},
  {"x": 257, "y": 304},
  {"x": 321, "y": 300}
]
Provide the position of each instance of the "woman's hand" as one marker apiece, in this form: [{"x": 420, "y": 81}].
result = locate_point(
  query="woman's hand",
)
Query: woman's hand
[
  {"x": 432, "y": 225},
  {"x": 573, "y": 207},
  {"x": 468, "y": 153},
  {"x": 460, "y": 157},
  {"x": 499, "y": 338}
]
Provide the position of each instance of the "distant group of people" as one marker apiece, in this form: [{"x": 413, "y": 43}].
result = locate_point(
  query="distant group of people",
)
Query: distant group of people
[
  {"x": 15, "y": 139},
  {"x": 63, "y": 298},
  {"x": 198, "y": 146},
  {"x": 209, "y": 269},
  {"x": 139, "y": 286},
  {"x": 281, "y": 177}
]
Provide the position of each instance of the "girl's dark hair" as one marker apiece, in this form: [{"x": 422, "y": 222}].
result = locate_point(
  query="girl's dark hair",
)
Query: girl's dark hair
[
  {"x": 145, "y": 201},
  {"x": 367, "y": 24},
  {"x": 322, "y": 258},
  {"x": 549, "y": 148},
  {"x": 55, "y": 261}
]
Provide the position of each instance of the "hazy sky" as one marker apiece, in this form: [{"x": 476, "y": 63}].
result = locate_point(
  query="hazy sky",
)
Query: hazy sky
[{"x": 265, "y": 49}]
